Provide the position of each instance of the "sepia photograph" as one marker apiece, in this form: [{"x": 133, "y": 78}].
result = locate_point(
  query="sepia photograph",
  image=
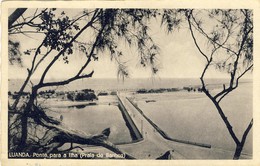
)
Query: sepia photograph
[{"x": 130, "y": 83}]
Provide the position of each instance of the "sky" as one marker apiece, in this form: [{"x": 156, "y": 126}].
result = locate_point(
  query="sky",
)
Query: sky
[{"x": 179, "y": 58}]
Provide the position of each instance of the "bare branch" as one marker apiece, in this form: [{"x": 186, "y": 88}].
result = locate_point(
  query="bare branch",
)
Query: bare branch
[
  {"x": 41, "y": 60},
  {"x": 246, "y": 132},
  {"x": 249, "y": 68},
  {"x": 67, "y": 136},
  {"x": 30, "y": 72},
  {"x": 66, "y": 81},
  {"x": 15, "y": 15},
  {"x": 194, "y": 39},
  {"x": 225, "y": 92},
  {"x": 29, "y": 23}
]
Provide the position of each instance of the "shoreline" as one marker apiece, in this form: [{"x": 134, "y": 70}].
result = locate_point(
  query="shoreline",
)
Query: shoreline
[
  {"x": 107, "y": 99},
  {"x": 60, "y": 102},
  {"x": 128, "y": 85}
]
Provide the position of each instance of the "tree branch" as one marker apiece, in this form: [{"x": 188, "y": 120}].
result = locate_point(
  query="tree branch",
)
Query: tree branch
[
  {"x": 66, "y": 81},
  {"x": 249, "y": 68},
  {"x": 63, "y": 51},
  {"x": 246, "y": 132},
  {"x": 30, "y": 72},
  {"x": 29, "y": 23},
  {"x": 209, "y": 38},
  {"x": 64, "y": 135},
  {"x": 15, "y": 15},
  {"x": 228, "y": 90},
  {"x": 194, "y": 39}
]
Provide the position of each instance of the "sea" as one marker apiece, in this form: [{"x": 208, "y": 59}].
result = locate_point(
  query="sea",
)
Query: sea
[
  {"x": 182, "y": 115},
  {"x": 123, "y": 85}
]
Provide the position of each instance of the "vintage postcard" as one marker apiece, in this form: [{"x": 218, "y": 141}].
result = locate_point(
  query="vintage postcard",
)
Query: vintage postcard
[{"x": 130, "y": 82}]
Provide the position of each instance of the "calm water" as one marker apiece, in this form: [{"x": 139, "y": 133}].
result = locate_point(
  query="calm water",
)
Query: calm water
[
  {"x": 182, "y": 115},
  {"x": 192, "y": 116},
  {"x": 94, "y": 119}
]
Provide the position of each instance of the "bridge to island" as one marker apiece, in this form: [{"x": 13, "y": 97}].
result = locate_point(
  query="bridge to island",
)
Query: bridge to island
[{"x": 150, "y": 142}]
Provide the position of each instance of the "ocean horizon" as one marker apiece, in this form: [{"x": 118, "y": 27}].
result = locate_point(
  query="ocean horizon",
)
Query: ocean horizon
[{"x": 128, "y": 84}]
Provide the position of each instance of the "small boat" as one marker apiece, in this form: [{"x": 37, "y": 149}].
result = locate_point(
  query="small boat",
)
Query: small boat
[{"x": 148, "y": 101}]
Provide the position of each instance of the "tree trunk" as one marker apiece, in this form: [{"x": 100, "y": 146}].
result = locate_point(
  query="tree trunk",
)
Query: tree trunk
[
  {"x": 238, "y": 151},
  {"x": 24, "y": 120},
  {"x": 13, "y": 106}
]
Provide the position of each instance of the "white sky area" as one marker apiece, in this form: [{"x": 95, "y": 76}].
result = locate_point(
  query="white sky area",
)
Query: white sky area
[{"x": 179, "y": 58}]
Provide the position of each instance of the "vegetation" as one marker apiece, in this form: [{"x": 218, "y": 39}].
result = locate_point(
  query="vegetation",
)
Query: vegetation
[
  {"x": 96, "y": 32},
  {"x": 60, "y": 36},
  {"x": 83, "y": 97},
  {"x": 160, "y": 90},
  {"x": 228, "y": 48},
  {"x": 230, "y": 39}
]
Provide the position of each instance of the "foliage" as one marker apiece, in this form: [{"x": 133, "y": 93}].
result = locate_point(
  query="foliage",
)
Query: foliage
[
  {"x": 14, "y": 52},
  {"x": 93, "y": 32},
  {"x": 230, "y": 49},
  {"x": 228, "y": 35}
]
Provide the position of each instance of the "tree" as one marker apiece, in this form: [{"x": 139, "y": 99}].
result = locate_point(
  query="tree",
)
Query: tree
[
  {"x": 229, "y": 38},
  {"x": 228, "y": 35},
  {"x": 230, "y": 48},
  {"x": 15, "y": 15},
  {"x": 60, "y": 34}
]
